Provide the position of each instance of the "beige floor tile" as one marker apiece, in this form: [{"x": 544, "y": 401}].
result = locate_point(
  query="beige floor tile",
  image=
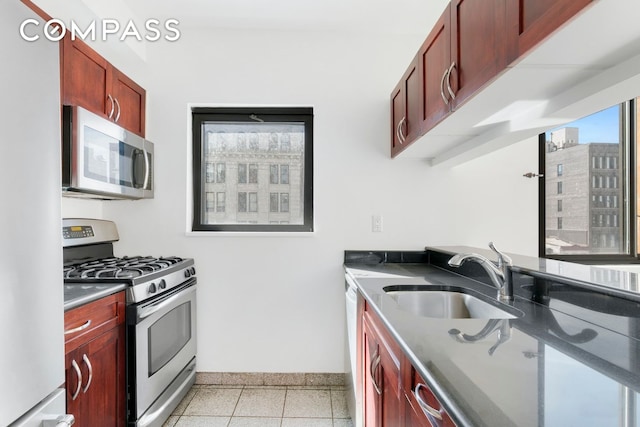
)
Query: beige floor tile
[
  {"x": 254, "y": 422},
  {"x": 260, "y": 402},
  {"x": 339, "y": 404},
  {"x": 307, "y": 422},
  {"x": 171, "y": 421},
  {"x": 198, "y": 421},
  {"x": 213, "y": 402},
  {"x": 308, "y": 404},
  {"x": 342, "y": 422},
  {"x": 185, "y": 402}
]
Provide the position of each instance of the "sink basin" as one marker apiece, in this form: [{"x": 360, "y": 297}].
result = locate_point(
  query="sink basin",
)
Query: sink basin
[{"x": 436, "y": 302}]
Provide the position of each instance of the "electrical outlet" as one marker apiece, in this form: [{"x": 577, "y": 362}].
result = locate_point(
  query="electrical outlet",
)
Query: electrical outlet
[{"x": 376, "y": 223}]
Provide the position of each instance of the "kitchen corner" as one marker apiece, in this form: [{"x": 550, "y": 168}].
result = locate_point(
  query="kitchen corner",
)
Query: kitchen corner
[{"x": 571, "y": 343}]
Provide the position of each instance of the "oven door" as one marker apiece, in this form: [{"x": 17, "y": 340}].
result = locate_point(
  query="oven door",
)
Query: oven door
[{"x": 164, "y": 339}]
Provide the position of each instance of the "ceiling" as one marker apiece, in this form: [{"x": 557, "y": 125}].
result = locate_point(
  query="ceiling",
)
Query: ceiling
[{"x": 369, "y": 16}]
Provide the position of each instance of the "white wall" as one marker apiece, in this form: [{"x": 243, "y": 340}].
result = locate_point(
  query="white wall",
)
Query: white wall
[{"x": 275, "y": 303}]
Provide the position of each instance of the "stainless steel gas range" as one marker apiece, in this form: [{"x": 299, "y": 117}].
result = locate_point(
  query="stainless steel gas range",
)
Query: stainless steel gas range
[{"x": 161, "y": 315}]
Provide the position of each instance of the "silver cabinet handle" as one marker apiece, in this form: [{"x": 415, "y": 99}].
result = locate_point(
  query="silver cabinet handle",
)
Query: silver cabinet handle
[
  {"x": 372, "y": 369},
  {"x": 85, "y": 359},
  {"x": 118, "y": 114},
  {"x": 398, "y": 132},
  {"x": 449, "y": 89},
  {"x": 430, "y": 412},
  {"x": 113, "y": 105},
  {"x": 84, "y": 326},
  {"x": 442, "y": 94},
  {"x": 79, "y": 375},
  {"x": 403, "y": 138}
]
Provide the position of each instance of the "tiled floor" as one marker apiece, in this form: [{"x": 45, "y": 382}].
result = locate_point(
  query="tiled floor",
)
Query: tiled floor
[{"x": 262, "y": 406}]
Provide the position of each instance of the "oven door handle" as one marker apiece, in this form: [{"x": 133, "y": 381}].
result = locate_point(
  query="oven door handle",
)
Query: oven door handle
[{"x": 145, "y": 312}]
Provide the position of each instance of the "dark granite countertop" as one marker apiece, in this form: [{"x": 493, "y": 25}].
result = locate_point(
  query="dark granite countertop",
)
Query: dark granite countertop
[
  {"x": 572, "y": 358},
  {"x": 77, "y": 294}
]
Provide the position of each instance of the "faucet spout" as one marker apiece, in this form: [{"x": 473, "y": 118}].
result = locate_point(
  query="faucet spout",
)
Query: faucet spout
[{"x": 500, "y": 275}]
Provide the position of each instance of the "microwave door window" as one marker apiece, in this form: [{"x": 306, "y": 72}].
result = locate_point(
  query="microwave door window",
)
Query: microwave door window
[{"x": 99, "y": 156}]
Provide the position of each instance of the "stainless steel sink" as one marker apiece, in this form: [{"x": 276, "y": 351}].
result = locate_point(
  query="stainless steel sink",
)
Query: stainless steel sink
[{"x": 446, "y": 304}]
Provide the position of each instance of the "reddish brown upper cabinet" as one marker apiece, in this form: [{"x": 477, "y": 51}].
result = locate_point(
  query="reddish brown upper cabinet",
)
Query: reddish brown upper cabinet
[
  {"x": 434, "y": 61},
  {"x": 406, "y": 110},
  {"x": 95, "y": 362},
  {"x": 89, "y": 81},
  {"x": 478, "y": 46},
  {"x": 531, "y": 21},
  {"x": 465, "y": 49}
]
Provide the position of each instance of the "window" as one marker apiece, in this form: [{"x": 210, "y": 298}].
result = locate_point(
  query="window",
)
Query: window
[
  {"x": 257, "y": 146},
  {"x": 600, "y": 183}
]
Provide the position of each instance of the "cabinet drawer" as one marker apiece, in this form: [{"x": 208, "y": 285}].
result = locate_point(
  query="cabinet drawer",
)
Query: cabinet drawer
[
  {"x": 90, "y": 320},
  {"x": 429, "y": 408}
]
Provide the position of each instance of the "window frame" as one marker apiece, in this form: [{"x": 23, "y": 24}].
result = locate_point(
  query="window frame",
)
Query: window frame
[
  {"x": 200, "y": 115},
  {"x": 632, "y": 256}
]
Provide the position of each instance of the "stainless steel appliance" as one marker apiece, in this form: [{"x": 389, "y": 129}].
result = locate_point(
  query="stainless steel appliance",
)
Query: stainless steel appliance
[
  {"x": 161, "y": 315},
  {"x": 32, "y": 305},
  {"x": 100, "y": 159}
]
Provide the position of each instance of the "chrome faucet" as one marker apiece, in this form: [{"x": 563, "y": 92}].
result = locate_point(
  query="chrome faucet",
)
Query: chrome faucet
[{"x": 500, "y": 276}]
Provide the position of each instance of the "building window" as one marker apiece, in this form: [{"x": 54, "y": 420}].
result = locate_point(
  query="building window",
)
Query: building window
[
  {"x": 262, "y": 145},
  {"x": 284, "y": 202},
  {"x": 211, "y": 202},
  {"x": 220, "y": 201},
  {"x": 603, "y": 144},
  {"x": 242, "y": 173},
  {"x": 242, "y": 201},
  {"x": 253, "y": 173}
]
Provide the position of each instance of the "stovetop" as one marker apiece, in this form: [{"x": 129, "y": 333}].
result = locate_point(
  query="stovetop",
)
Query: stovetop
[
  {"x": 145, "y": 277},
  {"x": 118, "y": 268}
]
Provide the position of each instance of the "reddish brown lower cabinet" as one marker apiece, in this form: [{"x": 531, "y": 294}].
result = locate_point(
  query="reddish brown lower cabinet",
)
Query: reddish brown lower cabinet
[
  {"x": 95, "y": 362},
  {"x": 394, "y": 394},
  {"x": 382, "y": 393},
  {"x": 422, "y": 408}
]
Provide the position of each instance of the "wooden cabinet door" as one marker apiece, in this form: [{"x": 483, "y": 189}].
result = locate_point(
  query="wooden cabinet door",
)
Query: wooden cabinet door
[
  {"x": 478, "y": 45},
  {"x": 383, "y": 397},
  {"x": 397, "y": 116},
  {"x": 415, "y": 415},
  {"x": 85, "y": 76},
  {"x": 433, "y": 62},
  {"x": 531, "y": 21},
  {"x": 391, "y": 399},
  {"x": 130, "y": 100},
  {"x": 406, "y": 110},
  {"x": 101, "y": 401},
  {"x": 371, "y": 388}
]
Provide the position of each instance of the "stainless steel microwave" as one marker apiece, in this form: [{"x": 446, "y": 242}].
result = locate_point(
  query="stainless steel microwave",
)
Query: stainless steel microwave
[{"x": 102, "y": 160}]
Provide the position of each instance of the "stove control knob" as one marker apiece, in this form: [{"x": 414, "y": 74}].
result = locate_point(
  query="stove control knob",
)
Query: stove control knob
[
  {"x": 152, "y": 288},
  {"x": 162, "y": 284},
  {"x": 187, "y": 273},
  {"x": 193, "y": 271}
]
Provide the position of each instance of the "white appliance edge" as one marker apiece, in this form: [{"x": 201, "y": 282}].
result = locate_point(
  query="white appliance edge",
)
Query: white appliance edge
[{"x": 31, "y": 309}]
